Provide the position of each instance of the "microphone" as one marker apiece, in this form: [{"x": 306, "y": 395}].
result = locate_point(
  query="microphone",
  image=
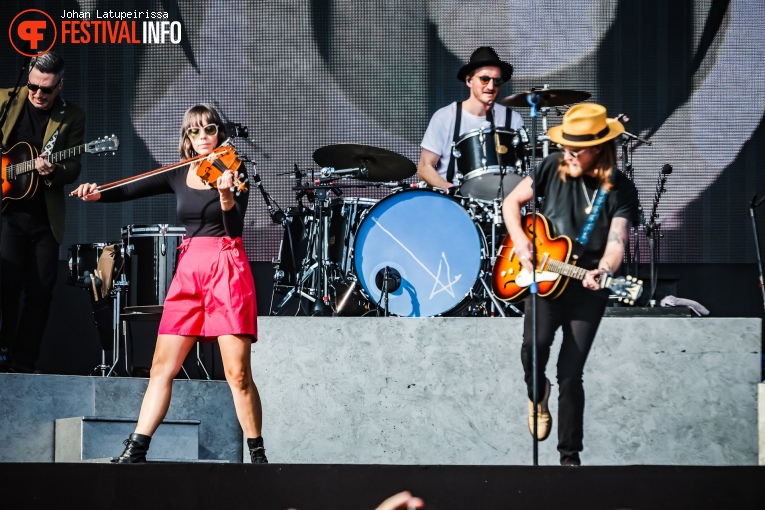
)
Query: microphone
[
  {"x": 297, "y": 176},
  {"x": 331, "y": 172},
  {"x": 666, "y": 169},
  {"x": 388, "y": 279},
  {"x": 490, "y": 114},
  {"x": 622, "y": 116},
  {"x": 757, "y": 202}
]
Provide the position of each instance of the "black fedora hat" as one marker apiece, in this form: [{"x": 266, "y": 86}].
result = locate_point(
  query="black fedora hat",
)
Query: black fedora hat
[{"x": 485, "y": 56}]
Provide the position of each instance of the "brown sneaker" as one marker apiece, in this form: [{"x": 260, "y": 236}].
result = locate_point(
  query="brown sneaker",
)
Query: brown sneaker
[{"x": 544, "y": 418}]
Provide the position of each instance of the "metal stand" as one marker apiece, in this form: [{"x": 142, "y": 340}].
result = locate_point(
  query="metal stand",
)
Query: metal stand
[
  {"x": 533, "y": 100},
  {"x": 653, "y": 227},
  {"x": 754, "y": 204}
]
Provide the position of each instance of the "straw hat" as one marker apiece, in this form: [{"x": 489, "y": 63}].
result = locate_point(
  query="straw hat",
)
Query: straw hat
[{"x": 585, "y": 125}]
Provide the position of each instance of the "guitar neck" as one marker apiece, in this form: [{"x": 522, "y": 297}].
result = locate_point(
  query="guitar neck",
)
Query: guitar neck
[
  {"x": 565, "y": 269},
  {"x": 28, "y": 166}
]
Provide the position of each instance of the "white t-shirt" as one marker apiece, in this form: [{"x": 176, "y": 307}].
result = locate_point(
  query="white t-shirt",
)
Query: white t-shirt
[{"x": 438, "y": 137}]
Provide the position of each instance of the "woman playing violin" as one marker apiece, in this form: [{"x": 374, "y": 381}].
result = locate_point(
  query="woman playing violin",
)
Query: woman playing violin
[{"x": 212, "y": 294}]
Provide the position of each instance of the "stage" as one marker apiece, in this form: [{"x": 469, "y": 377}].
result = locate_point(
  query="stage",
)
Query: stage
[
  {"x": 357, "y": 409},
  {"x": 660, "y": 391},
  {"x": 363, "y": 487}
]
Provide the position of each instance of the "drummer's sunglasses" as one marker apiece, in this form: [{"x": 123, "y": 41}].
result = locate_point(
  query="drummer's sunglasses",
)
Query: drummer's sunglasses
[
  {"x": 45, "y": 90},
  {"x": 210, "y": 130},
  {"x": 486, "y": 79}
]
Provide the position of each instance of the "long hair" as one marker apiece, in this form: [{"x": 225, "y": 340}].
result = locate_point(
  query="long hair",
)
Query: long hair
[
  {"x": 604, "y": 164},
  {"x": 199, "y": 115}
]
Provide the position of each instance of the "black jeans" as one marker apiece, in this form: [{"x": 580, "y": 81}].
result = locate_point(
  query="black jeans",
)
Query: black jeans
[
  {"x": 577, "y": 312},
  {"x": 29, "y": 265}
]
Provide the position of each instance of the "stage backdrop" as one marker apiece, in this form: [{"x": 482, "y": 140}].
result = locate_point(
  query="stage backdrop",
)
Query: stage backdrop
[{"x": 689, "y": 75}]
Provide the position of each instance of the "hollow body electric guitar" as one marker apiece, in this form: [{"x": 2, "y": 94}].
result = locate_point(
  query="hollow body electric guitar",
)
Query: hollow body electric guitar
[
  {"x": 20, "y": 178},
  {"x": 510, "y": 280}
]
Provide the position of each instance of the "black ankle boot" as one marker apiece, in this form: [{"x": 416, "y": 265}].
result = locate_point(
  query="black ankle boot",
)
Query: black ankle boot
[
  {"x": 257, "y": 451},
  {"x": 136, "y": 446}
]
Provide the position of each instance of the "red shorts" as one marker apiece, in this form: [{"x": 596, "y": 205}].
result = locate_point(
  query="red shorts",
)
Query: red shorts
[{"x": 212, "y": 292}]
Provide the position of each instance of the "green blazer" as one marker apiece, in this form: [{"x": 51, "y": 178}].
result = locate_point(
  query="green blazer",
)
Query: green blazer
[{"x": 69, "y": 119}]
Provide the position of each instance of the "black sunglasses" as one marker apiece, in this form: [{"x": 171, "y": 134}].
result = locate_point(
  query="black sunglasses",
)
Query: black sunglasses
[
  {"x": 486, "y": 79},
  {"x": 45, "y": 90}
]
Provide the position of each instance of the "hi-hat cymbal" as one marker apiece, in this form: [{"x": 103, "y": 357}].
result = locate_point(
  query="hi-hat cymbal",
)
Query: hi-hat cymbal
[
  {"x": 379, "y": 165},
  {"x": 547, "y": 97}
]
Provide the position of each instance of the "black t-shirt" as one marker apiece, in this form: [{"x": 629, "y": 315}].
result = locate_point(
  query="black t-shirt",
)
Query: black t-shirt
[
  {"x": 197, "y": 209},
  {"x": 30, "y": 128},
  {"x": 565, "y": 203}
]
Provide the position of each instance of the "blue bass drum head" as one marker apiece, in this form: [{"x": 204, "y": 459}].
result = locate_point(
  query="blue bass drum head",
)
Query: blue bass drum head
[{"x": 430, "y": 240}]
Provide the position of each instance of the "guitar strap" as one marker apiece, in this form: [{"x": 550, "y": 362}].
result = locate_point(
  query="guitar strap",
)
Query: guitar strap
[
  {"x": 49, "y": 146},
  {"x": 581, "y": 241},
  {"x": 52, "y": 142},
  {"x": 455, "y": 136}
]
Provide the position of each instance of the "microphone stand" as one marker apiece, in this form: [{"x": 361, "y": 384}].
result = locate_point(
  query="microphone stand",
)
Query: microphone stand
[
  {"x": 653, "y": 227},
  {"x": 533, "y": 100},
  {"x": 752, "y": 206}
]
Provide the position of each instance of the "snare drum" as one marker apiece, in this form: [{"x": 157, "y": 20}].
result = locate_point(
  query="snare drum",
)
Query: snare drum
[
  {"x": 476, "y": 153},
  {"x": 429, "y": 240},
  {"x": 152, "y": 255},
  {"x": 84, "y": 257}
]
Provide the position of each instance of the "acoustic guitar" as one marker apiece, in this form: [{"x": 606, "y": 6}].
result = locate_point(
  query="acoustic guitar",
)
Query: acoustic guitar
[
  {"x": 511, "y": 281},
  {"x": 20, "y": 178}
]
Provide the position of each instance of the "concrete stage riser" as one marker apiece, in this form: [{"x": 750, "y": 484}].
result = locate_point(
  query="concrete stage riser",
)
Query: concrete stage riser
[
  {"x": 30, "y": 404},
  {"x": 439, "y": 391},
  {"x": 450, "y": 391}
]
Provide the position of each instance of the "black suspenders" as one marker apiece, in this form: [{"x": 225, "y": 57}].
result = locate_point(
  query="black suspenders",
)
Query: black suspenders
[{"x": 457, "y": 122}]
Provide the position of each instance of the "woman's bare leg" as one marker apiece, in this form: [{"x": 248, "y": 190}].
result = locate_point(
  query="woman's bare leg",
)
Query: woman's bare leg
[
  {"x": 235, "y": 352},
  {"x": 169, "y": 354}
]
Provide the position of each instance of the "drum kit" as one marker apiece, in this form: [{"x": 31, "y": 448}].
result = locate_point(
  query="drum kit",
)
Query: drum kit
[{"x": 418, "y": 252}]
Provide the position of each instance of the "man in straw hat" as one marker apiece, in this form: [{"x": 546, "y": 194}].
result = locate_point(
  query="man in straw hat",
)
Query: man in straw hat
[
  {"x": 483, "y": 75},
  {"x": 579, "y": 183}
]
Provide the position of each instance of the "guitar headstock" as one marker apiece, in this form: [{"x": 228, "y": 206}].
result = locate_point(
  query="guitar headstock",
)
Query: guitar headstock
[
  {"x": 102, "y": 145},
  {"x": 626, "y": 289}
]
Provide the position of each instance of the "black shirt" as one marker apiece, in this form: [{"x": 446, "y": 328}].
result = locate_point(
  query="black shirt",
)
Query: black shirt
[
  {"x": 565, "y": 203},
  {"x": 30, "y": 128},
  {"x": 198, "y": 209}
]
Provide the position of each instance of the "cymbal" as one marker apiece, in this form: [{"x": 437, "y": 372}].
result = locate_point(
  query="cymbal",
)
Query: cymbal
[
  {"x": 380, "y": 164},
  {"x": 547, "y": 97}
]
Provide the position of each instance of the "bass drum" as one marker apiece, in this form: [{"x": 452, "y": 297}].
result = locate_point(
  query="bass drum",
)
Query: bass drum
[{"x": 430, "y": 241}]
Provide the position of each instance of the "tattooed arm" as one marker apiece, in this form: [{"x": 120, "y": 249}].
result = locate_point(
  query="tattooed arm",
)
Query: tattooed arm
[{"x": 612, "y": 257}]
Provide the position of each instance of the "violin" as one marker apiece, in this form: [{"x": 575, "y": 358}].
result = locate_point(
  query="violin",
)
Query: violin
[
  {"x": 209, "y": 169},
  {"x": 226, "y": 159}
]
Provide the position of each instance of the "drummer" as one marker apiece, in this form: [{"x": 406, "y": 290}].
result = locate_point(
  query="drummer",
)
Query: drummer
[{"x": 484, "y": 74}]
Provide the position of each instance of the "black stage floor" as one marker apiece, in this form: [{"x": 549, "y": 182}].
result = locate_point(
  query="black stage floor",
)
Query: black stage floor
[{"x": 337, "y": 487}]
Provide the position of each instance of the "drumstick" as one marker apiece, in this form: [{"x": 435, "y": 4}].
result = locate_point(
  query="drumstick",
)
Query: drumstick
[
  {"x": 93, "y": 284},
  {"x": 99, "y": 274}
]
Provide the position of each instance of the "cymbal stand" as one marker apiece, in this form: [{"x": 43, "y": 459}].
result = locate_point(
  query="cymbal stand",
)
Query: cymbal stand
[{"x": 321, "y": 249}]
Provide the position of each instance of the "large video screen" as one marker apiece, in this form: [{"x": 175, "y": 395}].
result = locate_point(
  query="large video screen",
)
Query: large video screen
[{"x": 304, "y": 75}]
